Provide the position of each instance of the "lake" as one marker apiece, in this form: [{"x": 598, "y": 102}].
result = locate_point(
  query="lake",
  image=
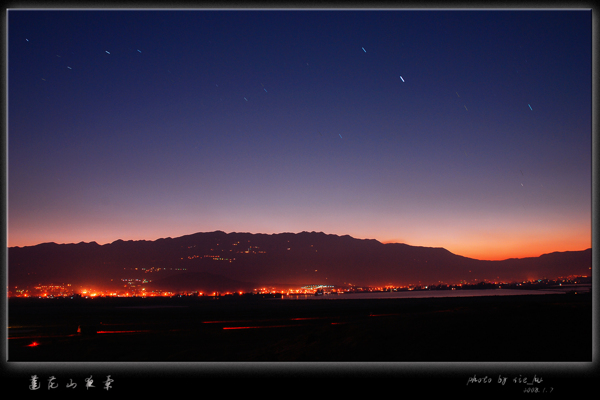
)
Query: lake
[{"x": 438, "y": 293}]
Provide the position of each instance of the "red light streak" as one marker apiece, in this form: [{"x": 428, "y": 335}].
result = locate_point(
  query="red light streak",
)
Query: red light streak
[
  {"x": 255, "y": 327},
  {"x": 223, "y": 322}
]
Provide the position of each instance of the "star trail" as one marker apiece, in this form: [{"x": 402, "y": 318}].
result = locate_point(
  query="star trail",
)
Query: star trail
[{"x": 106, "y": 142}]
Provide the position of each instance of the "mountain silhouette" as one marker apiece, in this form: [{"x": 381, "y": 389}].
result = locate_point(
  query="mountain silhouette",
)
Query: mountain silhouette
[{"x": 233, "y": 261}]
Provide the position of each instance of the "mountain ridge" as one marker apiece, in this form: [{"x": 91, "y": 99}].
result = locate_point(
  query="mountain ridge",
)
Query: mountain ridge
[{"x": 297, "y": 258}]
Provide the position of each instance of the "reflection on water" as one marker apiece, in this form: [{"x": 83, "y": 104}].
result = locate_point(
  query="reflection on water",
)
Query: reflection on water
[{"x": 440, "y": 293}]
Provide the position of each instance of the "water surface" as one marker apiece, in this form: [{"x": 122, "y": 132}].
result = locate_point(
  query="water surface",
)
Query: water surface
[{"x": 439, "y": 293}]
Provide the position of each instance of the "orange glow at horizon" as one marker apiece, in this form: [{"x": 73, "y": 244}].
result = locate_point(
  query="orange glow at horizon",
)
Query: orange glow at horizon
[
  {"x": 481, "y": 237},
  {"x": 502, "y": 246}
]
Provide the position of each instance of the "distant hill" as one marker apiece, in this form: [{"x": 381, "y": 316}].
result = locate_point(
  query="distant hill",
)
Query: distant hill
[
  {"x": 234, "y": 260},
  {"x": 200, "y": 281}
]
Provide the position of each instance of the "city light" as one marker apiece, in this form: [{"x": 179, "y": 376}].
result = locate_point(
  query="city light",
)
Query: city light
[{"x": 137, "y": 288}]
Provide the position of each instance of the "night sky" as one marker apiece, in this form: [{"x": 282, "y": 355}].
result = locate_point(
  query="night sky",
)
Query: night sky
[{"x": 468, "y": 130}]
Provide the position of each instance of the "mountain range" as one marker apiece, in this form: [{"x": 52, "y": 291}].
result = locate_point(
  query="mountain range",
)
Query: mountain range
[{"x": 243, "y": 261}]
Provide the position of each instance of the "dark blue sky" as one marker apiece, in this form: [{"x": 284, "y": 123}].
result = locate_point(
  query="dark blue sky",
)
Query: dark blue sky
[{"x": 469, "y": 130}]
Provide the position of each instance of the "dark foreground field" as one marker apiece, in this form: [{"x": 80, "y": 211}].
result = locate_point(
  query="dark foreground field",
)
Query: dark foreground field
[{"x": 495, "y": 328}]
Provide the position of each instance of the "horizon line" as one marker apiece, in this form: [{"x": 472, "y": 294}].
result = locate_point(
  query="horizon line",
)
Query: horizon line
[{"x": 292, "y": 233}]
